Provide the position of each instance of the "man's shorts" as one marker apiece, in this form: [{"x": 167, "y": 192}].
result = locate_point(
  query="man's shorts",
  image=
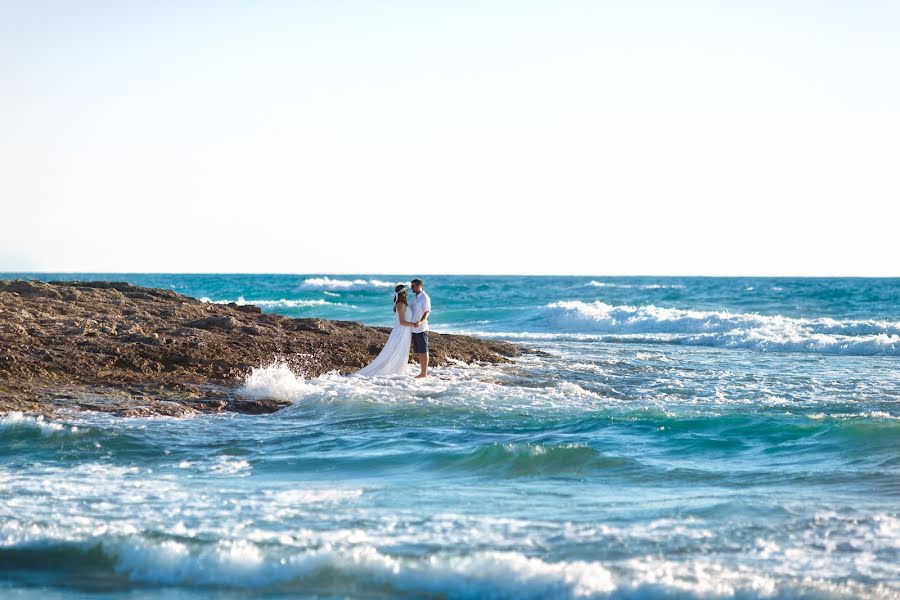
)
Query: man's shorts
[{"x": 420, "y": 342}]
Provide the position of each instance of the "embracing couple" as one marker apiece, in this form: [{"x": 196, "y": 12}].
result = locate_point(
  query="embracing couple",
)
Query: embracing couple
[{"x": 412, "y": 322}]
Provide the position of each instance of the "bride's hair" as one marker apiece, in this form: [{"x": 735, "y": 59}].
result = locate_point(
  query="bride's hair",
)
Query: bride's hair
[{"x": 399, "y": 295}]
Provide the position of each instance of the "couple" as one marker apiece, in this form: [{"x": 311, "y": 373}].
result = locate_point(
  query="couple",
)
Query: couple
[{"x": 412, "y": 322}]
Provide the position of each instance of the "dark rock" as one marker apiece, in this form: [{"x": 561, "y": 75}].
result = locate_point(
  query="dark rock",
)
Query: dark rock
[
  {"x": 247, "y": 308},
  {"x": 257, "y": 407},
  {"x": 225, "y": 322},
  {"x": 29, "y": 289}
]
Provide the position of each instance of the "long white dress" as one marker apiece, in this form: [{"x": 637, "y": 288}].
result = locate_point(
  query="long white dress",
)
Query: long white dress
[{"x": 393, "y": 358}]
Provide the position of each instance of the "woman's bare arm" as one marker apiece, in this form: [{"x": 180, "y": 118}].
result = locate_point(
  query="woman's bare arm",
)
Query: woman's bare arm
[{"x": 402, "y": 307}]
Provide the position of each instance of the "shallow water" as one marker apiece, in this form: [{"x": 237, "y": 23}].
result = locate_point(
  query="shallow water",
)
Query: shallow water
[{"x": 683, "y": 437}]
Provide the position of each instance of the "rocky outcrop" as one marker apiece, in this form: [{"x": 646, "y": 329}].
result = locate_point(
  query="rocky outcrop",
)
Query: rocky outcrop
[{"x": 115, "y": 347}]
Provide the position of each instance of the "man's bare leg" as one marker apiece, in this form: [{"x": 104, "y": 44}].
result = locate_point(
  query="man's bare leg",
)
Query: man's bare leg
[{"x": 423, "y": 364}]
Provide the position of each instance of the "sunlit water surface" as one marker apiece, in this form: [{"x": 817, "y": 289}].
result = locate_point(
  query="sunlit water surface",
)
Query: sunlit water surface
[{"x": 681, "y": 437}]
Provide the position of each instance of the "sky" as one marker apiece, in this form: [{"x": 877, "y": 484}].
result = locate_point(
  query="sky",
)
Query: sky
[{"x": 527, "y": 137}]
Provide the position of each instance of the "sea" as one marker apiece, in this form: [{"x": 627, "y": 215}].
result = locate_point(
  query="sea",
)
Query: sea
[{"x": 669, "y": 437}]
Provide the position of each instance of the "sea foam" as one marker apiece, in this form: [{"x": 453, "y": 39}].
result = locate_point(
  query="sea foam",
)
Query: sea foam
[
  {"x": 331, "y": 570},
  {"x": 244, "y": 564},
  {"x": 470, "y": 387},
  {"x": 344, "y": 284},
  {"x": 643, "y": 286},
  {"x": 282, "y": 303},
  {"x": 276, "y": 380},
  {"x": 725, "y": 329},
  {"x": 19, "y": 421}
]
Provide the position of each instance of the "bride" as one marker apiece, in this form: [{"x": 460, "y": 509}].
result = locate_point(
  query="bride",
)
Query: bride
[{"x": 393, "y": 358}]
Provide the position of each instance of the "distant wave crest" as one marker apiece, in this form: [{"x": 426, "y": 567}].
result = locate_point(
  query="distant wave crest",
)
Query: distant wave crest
[
  {"x": 344, "y": 284},
  {"x": 643, "y": 286},
  {"x": 726, "y": 329},
  {"x": 282, "y": 303}
]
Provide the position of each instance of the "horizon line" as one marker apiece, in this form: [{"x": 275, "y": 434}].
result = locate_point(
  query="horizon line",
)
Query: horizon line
[{"x": 437, "y": 274}]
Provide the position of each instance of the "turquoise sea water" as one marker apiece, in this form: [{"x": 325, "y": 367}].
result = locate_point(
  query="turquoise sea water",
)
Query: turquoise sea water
[{"x": 682, "y": 437}]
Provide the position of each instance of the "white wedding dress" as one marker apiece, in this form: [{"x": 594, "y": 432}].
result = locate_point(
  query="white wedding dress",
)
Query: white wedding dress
[{"x": 394, "y": 357}]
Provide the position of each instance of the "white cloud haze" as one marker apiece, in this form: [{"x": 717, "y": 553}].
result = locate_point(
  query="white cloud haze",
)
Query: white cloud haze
[{"x": 464, "y": 137}]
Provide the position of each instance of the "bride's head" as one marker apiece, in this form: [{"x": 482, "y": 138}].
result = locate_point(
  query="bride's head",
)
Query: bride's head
[{"x": 399, "y": 295}]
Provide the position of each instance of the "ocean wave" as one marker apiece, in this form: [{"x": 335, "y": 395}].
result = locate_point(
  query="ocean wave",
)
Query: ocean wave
[
  {"x": 344, "y": 284},
  {"x": 282, "y": 303},
  {"x": 864, "y": 415},
  {"x": 642, "y": 286},
  {"x": 17, "y": 421},
  {"x": 654, "y": 324},
  {"x": 336, "y": 570},
  {"x": 521, "y": 460},
  {"x": 327, "y": 570}
]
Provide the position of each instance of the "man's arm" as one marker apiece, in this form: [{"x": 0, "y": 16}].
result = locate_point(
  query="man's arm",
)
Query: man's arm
[
  {"x": 427, "y": 310},
  {"x": 427, "y": 306}
]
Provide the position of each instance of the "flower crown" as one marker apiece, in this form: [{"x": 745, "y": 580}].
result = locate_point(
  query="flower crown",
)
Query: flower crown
[{"x": 401, "y": 291}]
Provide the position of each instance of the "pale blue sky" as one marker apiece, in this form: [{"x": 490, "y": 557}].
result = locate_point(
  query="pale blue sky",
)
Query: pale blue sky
[{"x": 451, "y": 137}]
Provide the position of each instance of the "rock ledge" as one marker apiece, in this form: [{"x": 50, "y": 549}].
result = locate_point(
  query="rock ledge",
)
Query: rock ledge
[{"x": 129, "y": 350}]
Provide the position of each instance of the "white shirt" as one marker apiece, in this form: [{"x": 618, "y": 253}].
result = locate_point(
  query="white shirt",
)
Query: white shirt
[{"x": 421, "y": 304}]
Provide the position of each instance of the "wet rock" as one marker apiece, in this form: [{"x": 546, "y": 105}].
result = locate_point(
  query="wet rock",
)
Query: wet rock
[{"x": 257, "y": 407}]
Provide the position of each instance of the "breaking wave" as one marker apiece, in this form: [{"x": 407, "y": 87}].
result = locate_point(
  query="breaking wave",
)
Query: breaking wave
[
  {"x": 344, "y": 284},
  {"x": 19, "y": 422},
  {"x": 643, "y": 286},
  {"x": 725, "y": 329},
  {"x": 282, "y": 303},
  {"x": 332, "y": 569},
  {"x": 243, "y": 564}
]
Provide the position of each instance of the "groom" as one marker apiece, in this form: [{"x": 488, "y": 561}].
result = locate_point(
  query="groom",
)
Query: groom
[{"x": 420, "y": 307}]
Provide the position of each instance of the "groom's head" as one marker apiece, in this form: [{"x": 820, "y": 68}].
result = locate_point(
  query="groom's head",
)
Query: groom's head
[{"x": 416, "y": 285}]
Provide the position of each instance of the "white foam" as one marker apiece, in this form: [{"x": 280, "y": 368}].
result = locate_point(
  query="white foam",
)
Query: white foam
[
  {"x": 18, "y": 419},
  {"x": 171, "y": 562},
  {"x": 309, "y": 496},
  {"x": 569, "y": 388},
  {"x": 700, "y": 576},
  {"x": 296, "y": 303},
  {"x": 643, "y": 286},
  {"x": 344, "y": 284},
  {"x": 652, "y": 357},
  {"x": 245, "y": 564},
  {"x": 590, "y": 367},
  {"x": 230, "y": 465},
  {"x": 722, "y": 328},
  {"x": 871, "y": 414},
  {"x": 451, "y": 386},
  {"x": 510, "y": 574},
  {"x": 276, "y": 380},
  {"x": 282, "y": 303}
]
